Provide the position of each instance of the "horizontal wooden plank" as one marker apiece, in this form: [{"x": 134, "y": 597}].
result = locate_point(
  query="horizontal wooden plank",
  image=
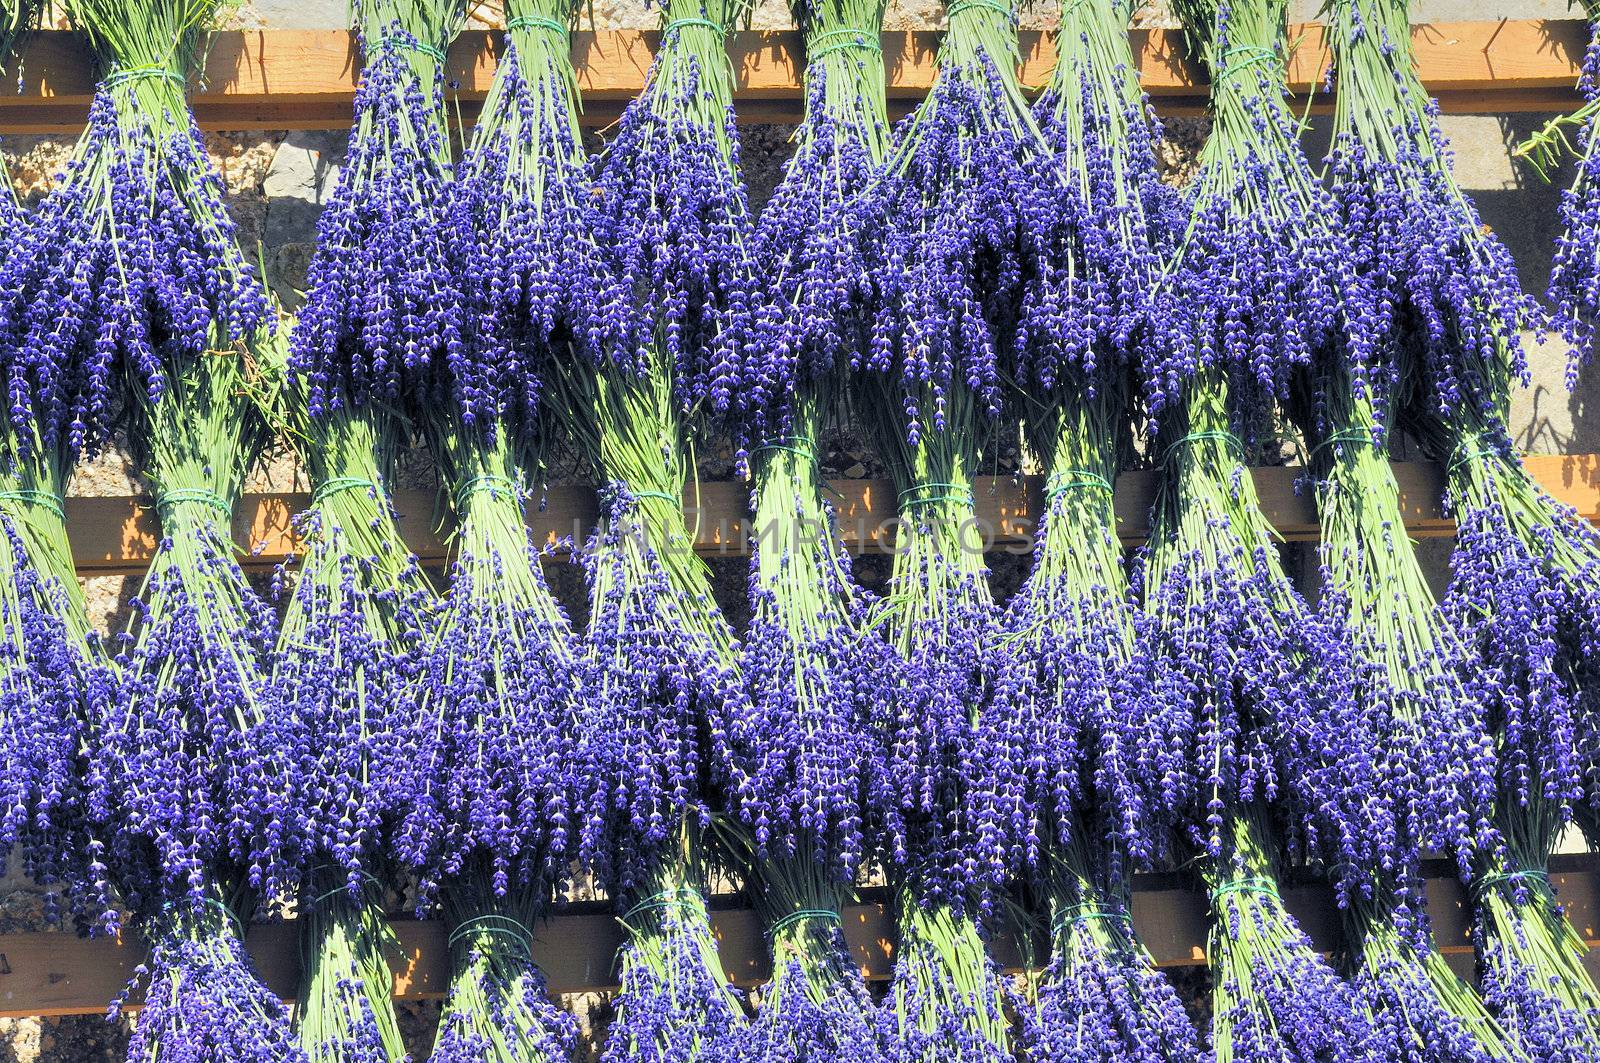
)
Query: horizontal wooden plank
[
  {"x": 60, "y": 974},
  {"x": 305, "y": 79},
  {"x": 118, "y": 534}
]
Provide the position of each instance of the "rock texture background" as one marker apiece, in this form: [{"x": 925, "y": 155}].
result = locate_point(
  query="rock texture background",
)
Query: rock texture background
[{"x": 278, "y": 181}]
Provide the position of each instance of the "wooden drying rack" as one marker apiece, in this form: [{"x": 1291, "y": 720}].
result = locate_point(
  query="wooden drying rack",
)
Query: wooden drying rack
[{"x": 305, "y": 79}]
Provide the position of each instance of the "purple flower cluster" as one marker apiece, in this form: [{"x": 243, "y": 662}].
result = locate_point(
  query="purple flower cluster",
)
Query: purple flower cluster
[
  {"x": 947, "y": 1001},
  {"x": 203, "y": 1001},
  {"x": 541, "y": 282},
  {"x": 671, "y": 212},
  {"x": 53, "y": 681},
  {"x": 1574, "y": 286},
  {"x": 497, "y": 728},
  {"x": 662, "y": 697},
  {"x": 1103, "y": 1001},
  {"x": 384, "y": 312},
  {"x": 807, "y": 1017},
  {"x": 129, "y": 263}
]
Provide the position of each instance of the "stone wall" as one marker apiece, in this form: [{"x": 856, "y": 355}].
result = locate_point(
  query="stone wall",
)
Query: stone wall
[{"x": 277, "y": 183}]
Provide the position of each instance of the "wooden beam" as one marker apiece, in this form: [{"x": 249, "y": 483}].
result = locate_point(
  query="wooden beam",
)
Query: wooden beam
[
  {"x": 61, "y": 974},
  {"x": 115, "y": 535},
  {"x": 305, "y": 79}
]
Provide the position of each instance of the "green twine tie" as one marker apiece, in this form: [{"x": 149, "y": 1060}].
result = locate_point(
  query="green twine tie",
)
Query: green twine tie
[
  {"x": 535, "y": 22},
  {"x": 1060, "y": 483},
  {"x": 52, "y": 502},
  {"x": 963, "y": 498},
  {"x": 1352, "y": 436},
  {"x": 673, "y": 898},
  {"x": 478, "y": 485},
  {"x": 1480, "y": 886},
  {"x": 676, "y": 500},
  {"x": 1253, "y": 884},
  {"x": 1088, "y": 913},
  {"x": 211, "y": 902},
  {"x": 678, "y": 23},
  {"x": 124, "y": 74},
  {"x": 804, "y": 915},
  {"x": 500, "y": 925},
  {"x": 849, "y": 40},
  {"x": 193, "y": 496},
  {"x": 342, "y": 887},
  {"x": 1196, "y": 437},
  {"x": 1253, "y": 54},
  {"x": 396, "y": 42},
  {"x": 337, "y": 485},
  {"x": 1470, "y": 449},
  {"x": 961, "y": 6}
]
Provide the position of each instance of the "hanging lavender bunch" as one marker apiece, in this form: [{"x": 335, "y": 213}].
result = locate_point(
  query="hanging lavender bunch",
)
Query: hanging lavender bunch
[
  {"x": 1260, "y": 740},
  {"x": 671, "y": 215},
  {"x": 1575, "y": 275},
  {"x": 1072, "y": 627},
  {"x": 1439, "y": 759},
  {"x": 1523, "y": 594},
  {"x": 973, "y": 209},
  {"x": 131, "y": 273},
  {"x": 53, "y": 674},
  {"x": 504, "y": 676},
  {"x": 346, "y": 667},
  {"x": 384, "y": 309},
  {"x": 815, "y": 673}
]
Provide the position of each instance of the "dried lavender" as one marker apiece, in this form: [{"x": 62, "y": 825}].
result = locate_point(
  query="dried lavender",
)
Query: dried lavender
[
  {"x": 1522, "y": 593},
  {"x": 505, "y": 678},
  {"x": 384, "y": 309},
  {"x": 1071, "y": 629},
  {"x": 53, "y": 674},
  {"x": 971, "y": 208},
  {"x": 671, "y": 216},
  {"x": 807, "y": 750},
  {"x": 347, "y": 667},
  {"x": 135, "y": 278}
]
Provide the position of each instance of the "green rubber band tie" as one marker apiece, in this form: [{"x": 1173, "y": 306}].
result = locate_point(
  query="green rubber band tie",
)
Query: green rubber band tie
[
  {"x": 1480, "y": 886},
  {"x": 194, "y": 496},
  {"x": 849, "y": 40},
  {"x": 1354, "y": 437},
  {"x": 534, "y": 22},
  {"x": 1468, "y": 451},
  {"x": 1196, "y": 437},
  {"x": 1060, "y": 484},
  {"x": 674, "y": 898},
  {"x": 1255, "y": 884},
  {"x": 791, "y": 444},
  {"x": 967, "y": 5},
  {"x": 1084, "y": 913},
  {"x": 493, "y": 485},
  {"x": 1256, "y": 55},
  {"x": 397, "y": 43},
  {"x": 964, "y": 498},
  {"x": 338, "y": 484},
  {"x": 502, "y": 925},
  {"x": 804, "y": 915},
  {"x": 678, "y": 23},
  {"x": 139, "y": 73},
  {"x": 49, "y": 501}
]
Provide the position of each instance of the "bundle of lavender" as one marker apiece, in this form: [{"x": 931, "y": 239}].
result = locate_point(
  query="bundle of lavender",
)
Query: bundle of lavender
[
  {"x": 973, "y": 213},
  {"x": 130, "y": 275},
  {"x": 383, "y": 317},
  {"x": 814, "y": 670},
  {"x": 1072, "y": 628},
  {"x": 505, "y": 674},
  {"x": 1439, "y": 758},
  {"x": 1261, "y": 747},
  {"x": 1523, "y": 595},
  {"x": 53, "y": 674},
  {"x": 669, "y": 211},
  {"x": 346, "y": 666}
]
